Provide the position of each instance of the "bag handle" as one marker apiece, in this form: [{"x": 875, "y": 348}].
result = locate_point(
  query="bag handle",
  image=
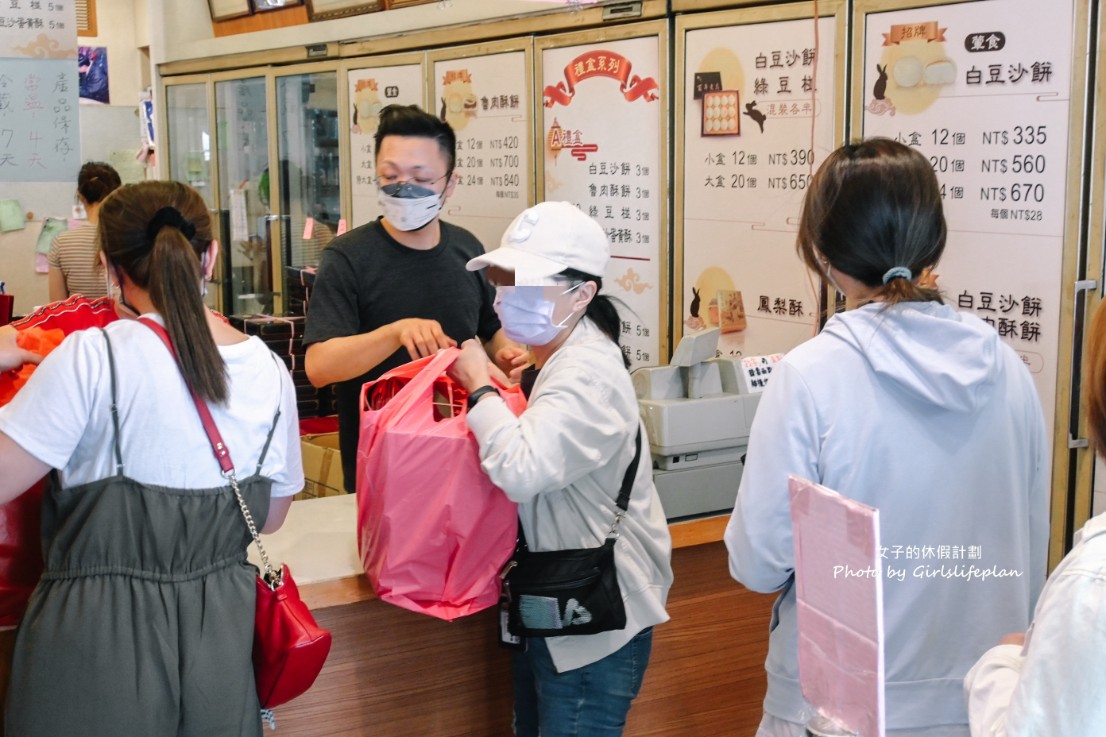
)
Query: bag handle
[
  {"x": 273, "y": 579},
  {"x": 421, "y": 382}
]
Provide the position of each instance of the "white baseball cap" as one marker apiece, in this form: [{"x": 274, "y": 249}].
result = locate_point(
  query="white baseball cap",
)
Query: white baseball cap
[{"x": 545, "y": 240}]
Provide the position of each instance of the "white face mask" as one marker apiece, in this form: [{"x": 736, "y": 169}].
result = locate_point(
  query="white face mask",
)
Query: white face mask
[
  {"x": 527, "y": 316},
  {"x": 831, "y": 280},
  {"x": 408, "y": 206}
]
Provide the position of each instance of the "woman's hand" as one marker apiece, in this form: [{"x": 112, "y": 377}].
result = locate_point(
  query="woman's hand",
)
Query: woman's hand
[
  {"x": 470, "y": 369},
  {"x": 12, "y": 357},
  {"x": 1014, "y": 638}
]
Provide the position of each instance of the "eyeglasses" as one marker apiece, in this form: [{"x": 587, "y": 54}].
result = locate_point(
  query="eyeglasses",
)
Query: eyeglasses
[{"x": 388, "y": 180}]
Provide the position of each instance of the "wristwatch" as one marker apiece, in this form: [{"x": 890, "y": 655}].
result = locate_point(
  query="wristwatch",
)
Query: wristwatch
[{"x": 475, "y": 394}]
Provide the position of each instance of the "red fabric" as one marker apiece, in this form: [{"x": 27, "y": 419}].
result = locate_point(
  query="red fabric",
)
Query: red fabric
[
  {"x": 21, "y": 518},
  {"x": 76, "y": 313},
  {"x": 70, "y": 315},
  {"x": 432, "y": 529},
  {"x": 318, "y": 425}
]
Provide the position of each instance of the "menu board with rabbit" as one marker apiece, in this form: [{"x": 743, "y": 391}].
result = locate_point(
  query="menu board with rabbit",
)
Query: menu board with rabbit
[
  {"x": 982, "y": 89},
  {"x": 603, "y": 151},
  {"x": 758, "y": 116},
  {"x": 370, "y": 90},
  {"x": 486, "y": 100}
]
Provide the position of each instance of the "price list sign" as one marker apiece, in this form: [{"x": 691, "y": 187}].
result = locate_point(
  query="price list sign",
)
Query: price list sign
[
  {"x": 486, "y": 101},
  {"x": 758, "y": 118},
  {"x": 38, "y": 28},
  {"x": 39, "y": 132},
  {"x": 369, "y": 91},
  {"x": 982, "y": 90},
  {"x": 602, "y": 149}
]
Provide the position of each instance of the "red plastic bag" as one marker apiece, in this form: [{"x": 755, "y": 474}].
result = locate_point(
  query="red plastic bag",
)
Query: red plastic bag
[{"x": 432, "y": 529}]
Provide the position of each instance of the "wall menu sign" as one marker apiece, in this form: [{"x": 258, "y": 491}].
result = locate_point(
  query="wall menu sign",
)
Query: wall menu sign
[
  {"x": 982, "y": 89},
  {"x": 602, "y": 149},
  {"x": 39, "y": 126},
  {"x": 758, "y": 116},
  {"x": 485, "y": 97},
  {"x": 370, "y": 90},
  {"x": 39, "y": 29}
]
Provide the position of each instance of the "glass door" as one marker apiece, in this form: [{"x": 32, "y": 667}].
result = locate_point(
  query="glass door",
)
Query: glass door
[
  {"x": 189, "y": 136},
  {"x": 310, "y": 191},
  {"x": 244, "y": 208}
]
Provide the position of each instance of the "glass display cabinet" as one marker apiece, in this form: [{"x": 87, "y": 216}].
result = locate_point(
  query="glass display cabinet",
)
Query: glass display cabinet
[{"x": 245, "y": 210}]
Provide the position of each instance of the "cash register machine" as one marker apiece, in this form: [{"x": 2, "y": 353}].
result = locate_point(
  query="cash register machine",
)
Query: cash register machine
[{"x": 698, "y": 411}]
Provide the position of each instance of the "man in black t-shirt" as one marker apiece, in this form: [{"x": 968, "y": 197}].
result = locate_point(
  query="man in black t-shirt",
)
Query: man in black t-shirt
[{"x": 397, "y": 289}]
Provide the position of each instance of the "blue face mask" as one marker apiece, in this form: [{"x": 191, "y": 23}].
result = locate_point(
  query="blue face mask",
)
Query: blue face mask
[{"x": 527, "y": 316}]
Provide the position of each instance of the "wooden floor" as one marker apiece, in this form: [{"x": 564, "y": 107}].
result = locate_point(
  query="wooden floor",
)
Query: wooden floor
[{"x": 392, "y": 672}]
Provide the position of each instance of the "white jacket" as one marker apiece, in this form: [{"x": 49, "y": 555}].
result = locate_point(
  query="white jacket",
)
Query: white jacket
[
  {"x": 1053, "y": 685},
  {"x": 924, "y": 413},
  {"x": 563, "y": 461}
]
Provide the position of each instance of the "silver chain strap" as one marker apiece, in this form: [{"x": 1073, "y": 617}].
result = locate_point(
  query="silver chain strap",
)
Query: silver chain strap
[{"x": 272, "y": 578}]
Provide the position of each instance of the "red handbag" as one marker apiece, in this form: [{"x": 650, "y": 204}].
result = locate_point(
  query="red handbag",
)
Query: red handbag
[{"x": 289, "y": 647}]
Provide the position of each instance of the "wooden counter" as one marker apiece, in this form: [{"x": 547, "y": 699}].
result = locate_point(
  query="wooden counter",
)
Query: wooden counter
[{"x": 395, "y": 672}]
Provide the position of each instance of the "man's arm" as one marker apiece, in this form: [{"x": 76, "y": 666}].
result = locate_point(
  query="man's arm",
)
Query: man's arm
[
  {"x": 507, "y": 355},
  {"x": 341, "y": 359}
]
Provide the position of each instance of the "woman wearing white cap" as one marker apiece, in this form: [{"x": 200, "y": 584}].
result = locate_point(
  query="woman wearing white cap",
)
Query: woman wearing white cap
[{"x": 564, "y": 460}]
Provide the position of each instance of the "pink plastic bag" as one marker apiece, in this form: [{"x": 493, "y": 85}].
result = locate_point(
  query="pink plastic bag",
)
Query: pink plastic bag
[{"x": 432, "y": 529}]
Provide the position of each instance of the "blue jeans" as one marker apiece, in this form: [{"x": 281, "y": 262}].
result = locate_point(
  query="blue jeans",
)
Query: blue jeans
[{"x": 592, "y": 701}]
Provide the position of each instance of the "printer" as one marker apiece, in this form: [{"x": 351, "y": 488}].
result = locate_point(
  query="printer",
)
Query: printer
[{"x": 698, "y": 411}]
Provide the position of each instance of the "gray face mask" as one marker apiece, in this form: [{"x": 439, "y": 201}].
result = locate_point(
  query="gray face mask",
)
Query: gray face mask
[{"x": 408, "y": 206}]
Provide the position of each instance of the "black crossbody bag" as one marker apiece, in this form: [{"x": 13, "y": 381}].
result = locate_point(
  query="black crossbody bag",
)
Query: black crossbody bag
[{"x": 568, "y": 592}]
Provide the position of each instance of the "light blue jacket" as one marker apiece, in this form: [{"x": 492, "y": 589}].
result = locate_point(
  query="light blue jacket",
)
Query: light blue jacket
[{"x": 924, "y": 413}]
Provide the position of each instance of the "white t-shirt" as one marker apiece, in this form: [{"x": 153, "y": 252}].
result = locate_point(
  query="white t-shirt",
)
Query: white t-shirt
[{"x": 63, "y": 415}]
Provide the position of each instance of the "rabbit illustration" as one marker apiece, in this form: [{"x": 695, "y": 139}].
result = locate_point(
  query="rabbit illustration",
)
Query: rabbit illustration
[
  {"x": 880, "y": 88},
  {"x": 752, "y": 112},
  {"x": 694, "y": 309}
]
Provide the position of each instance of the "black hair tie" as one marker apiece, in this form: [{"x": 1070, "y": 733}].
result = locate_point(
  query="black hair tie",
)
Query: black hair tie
[{"x": 169, "y": 216}]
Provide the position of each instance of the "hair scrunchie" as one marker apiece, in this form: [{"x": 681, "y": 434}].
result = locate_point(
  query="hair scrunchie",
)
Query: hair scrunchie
[
  {"x": 895, "y": 272},
  {"x": 169, "y": 216}
]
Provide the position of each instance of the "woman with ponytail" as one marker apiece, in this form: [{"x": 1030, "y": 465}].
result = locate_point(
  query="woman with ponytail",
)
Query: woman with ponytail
[
  {"x": 916, "y": 409},
  {"x": 564, "y": 460},
  {"x": 142, "y": 622},
  {"x": 72, "y": 258}
]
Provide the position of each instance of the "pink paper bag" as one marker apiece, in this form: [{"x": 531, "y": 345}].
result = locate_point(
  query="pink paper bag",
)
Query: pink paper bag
[{"x": 433, "y": 531}]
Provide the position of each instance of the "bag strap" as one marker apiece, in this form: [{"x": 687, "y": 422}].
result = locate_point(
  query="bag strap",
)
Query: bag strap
[
  {"x": 622, "y": 502},
  {"x": 222, "y": 455}
]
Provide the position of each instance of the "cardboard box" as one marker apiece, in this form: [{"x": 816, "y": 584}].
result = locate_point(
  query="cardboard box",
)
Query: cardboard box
[{"x": 322, "y": 466}]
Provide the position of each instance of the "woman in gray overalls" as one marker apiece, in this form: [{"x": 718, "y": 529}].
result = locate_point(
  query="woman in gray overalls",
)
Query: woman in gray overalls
[{"x": 142, "y": 623}]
